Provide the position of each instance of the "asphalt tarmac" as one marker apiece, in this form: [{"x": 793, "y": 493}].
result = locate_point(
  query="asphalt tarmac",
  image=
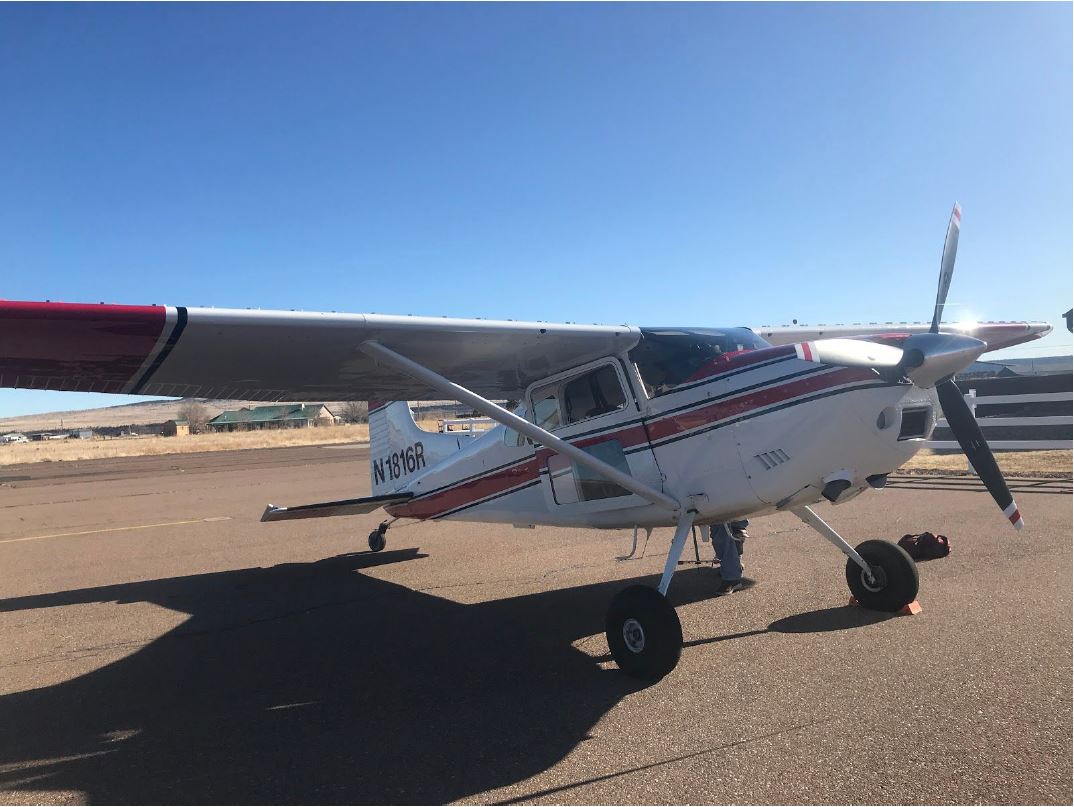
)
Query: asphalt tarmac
[{"x": 159, "y": 644}]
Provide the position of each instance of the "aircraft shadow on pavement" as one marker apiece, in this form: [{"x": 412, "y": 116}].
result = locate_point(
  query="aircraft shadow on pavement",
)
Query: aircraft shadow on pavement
[
  {"x": 822, "y": 620},
  {"x": 312, "y": 682}
]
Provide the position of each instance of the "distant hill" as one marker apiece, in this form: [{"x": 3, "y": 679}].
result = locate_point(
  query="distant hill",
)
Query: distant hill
[
  {"x": 145, "y": 412},
  {"x": 124, "y": 415}
]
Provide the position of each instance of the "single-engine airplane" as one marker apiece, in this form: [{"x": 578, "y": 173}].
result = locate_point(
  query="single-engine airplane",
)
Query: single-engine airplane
[{"x": 617, "y": 426}]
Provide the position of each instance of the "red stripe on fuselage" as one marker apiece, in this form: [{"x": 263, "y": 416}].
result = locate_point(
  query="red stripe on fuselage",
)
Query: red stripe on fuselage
[
  {"x": 467, "y": 492},
  {"x": 726, "y": 362},
  {"x": 94, "y": 348},
  {"x": 685, "y": 421},
  {"x": 473, "y": 491},
  {"x": 628, "y": 438}
]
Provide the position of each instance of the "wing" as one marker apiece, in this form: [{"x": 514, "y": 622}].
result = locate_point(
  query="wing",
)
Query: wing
[
  {"x": 995, "y": 334},
  {"x": 280, "y": 355}
]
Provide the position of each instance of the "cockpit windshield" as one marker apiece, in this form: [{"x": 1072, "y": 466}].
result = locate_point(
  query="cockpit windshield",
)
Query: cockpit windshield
[{"x": 669, "y": 357}]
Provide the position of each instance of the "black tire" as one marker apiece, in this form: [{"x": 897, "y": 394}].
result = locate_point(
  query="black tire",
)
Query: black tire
[
  {"x": 895, "y": 575},
  {"x": 377, "y": 541},
  {"x": 644, "y": 633}
]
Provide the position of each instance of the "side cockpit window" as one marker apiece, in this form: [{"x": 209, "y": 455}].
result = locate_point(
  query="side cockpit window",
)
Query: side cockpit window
[
  {"x": 571, "y": 400},
  {"x": 596, "y": 393}
]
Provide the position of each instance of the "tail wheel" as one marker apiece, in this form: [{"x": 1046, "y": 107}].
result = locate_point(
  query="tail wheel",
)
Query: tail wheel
[
  {"x": 894, "y": 577},
  {"x": 377, "y": 541},
  {"x": 644, "y": 633}
]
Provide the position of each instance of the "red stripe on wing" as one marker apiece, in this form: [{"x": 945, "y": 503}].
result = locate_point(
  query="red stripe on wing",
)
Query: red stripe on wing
[{"x": 91, "y": 348}]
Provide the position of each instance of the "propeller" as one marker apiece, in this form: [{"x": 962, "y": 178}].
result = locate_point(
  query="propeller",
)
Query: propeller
[
  {"x": 947, "y": 265},
  {"x": 962, "y": 422},
  {"x": 931, "y": 360}
]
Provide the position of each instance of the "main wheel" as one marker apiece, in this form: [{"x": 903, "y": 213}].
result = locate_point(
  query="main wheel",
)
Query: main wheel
[
  {"x": 377, "y": 541},
  {"x": 644, "y": 633},
  {"x": 894, "y": 577}
]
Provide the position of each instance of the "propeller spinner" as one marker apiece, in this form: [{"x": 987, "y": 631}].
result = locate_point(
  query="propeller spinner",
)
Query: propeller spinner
[{"x": 931, "y": 360}]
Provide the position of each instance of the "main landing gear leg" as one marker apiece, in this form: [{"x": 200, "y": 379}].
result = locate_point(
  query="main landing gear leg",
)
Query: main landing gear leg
[
  {"x": 644, "y": 633},
  {"x": 377, "y": 539},
  {"x": 880, "y": 574}
]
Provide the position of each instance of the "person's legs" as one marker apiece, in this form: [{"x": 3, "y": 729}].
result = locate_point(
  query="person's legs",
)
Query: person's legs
[
  {"x": 723, "y": 544},
  {"x": 738, "y": 532}
]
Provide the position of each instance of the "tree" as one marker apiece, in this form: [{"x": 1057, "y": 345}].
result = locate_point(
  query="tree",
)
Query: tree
[
  {"x": 354, "y": 412},
  {"x": 196, "y": 414}
]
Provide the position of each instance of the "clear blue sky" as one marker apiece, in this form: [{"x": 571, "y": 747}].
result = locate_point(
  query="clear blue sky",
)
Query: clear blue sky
[{"x": 690, "y": 164}]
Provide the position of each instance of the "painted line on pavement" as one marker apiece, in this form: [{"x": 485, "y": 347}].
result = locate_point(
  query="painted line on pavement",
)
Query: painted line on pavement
[{"x": 116, "y": 529}]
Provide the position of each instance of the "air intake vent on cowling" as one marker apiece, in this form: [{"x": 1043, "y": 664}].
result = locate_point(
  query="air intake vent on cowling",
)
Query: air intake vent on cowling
[
  {"x": 770, "y": 459},
  {"x": 915, "y": 423}
]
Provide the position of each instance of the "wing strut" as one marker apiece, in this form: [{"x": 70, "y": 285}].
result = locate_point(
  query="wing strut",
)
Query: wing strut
[{"x": 486, "y": 407}]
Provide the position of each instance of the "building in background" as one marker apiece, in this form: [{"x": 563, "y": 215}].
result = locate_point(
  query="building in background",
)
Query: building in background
[
  {"x": 175, "y": 428},
  {"x": 277, "y": 416}
]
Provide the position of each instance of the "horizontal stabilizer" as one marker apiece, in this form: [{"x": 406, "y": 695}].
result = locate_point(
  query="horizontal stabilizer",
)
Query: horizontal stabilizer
[{"x": 346, "y": 507}]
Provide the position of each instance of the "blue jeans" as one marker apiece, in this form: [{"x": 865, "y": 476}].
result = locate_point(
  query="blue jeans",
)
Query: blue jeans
[{"x": 723, "y": 544}]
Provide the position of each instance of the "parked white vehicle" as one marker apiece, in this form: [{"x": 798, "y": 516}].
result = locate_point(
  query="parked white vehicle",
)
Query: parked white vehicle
[{"x": 14, "y": 437}]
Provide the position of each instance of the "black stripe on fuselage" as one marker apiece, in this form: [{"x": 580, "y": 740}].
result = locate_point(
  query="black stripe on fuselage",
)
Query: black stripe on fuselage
[
  {"x": 731, "y": 373},
  {"x": 745, "y": 416},
  {"x": 621, "y": 425},
  {"x": 488, "y": 499},
  {"x": 487, "y": 472},
  {"x": 755, "y": 413},
  {"x": 699, "y": 402}
]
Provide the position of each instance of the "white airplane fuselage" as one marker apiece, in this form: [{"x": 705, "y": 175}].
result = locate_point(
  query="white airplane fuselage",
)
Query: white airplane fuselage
[{"x": 760, "y": 431}]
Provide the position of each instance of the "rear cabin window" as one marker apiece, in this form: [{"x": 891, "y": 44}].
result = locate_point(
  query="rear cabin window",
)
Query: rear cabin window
[
  {"x": 546, "y": 407},
  {"x": 511, "y": 438},
  {"x": 593, "y": 394},
  {"x": 572, "y": 483},
  {"x": 667, "y": 358}
]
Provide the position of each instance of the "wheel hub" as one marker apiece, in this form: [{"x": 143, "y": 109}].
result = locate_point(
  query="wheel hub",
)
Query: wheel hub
[
  {"x": 879, "y": 579},
  {"x": 633, "y": 636}
]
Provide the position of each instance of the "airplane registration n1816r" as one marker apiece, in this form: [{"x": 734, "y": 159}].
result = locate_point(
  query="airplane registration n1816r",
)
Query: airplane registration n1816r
[{"x": 617, "y": 426}]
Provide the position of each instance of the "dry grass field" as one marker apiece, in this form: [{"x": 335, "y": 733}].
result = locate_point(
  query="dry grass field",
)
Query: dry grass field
[
  {"x": 70, "y": 450},
  {"x": 1018, "y": 463},
  {"x": 1012, "y": 463},
  {"x": 137, "y": 414},
  {"x": 126, "y": 415}
]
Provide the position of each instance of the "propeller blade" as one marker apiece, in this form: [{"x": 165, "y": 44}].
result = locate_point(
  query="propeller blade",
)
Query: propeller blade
[
  {"x": 968, "y": 433},
  {"x": 849, "y": 353},
  {"x": 947, "y": 266}
]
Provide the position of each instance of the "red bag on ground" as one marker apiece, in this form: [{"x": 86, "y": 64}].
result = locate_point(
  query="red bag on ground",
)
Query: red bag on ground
[{"x": 926, "y": 546}]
